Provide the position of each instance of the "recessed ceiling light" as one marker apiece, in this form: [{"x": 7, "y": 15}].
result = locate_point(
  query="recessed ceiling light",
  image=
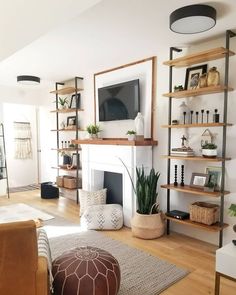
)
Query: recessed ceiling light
[
  {"x": 28, "y": 80},
  {"x": 193, "y": 19}
]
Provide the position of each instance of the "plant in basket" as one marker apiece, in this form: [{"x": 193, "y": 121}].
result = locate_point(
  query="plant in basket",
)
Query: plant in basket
[{"x": 148, "y": 221}]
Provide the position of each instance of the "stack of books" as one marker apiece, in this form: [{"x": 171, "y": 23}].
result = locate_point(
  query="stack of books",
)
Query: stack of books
[{"x": 182, "y": 152}]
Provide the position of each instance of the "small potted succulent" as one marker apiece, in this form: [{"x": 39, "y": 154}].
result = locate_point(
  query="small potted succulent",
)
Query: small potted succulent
[
  {"x": 178, "y": 88},
  {"x": 93, "y": 130},
  {"x": 131, "y": 134},
  {"x": 62, "y": 102},
  {"x": 209, "y": 150}
]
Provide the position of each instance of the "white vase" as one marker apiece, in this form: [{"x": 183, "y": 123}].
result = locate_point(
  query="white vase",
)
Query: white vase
[{"x": 139, "y": 126}]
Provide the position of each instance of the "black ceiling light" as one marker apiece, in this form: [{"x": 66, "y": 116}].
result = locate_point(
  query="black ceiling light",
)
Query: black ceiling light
[
  {"x": 193, "y": 19},
  {"x": 28, "y": 80}
]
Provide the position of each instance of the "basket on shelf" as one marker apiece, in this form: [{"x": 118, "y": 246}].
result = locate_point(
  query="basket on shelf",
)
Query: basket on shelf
[
  {"x": 70, "y": 182},
  {"x": 204, "y": 213},
  {"x": 60, "y": 181}
]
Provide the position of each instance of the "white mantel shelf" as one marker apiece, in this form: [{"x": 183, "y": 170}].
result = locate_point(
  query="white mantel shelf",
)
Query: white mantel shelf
[{"x": 117, "y": 141}]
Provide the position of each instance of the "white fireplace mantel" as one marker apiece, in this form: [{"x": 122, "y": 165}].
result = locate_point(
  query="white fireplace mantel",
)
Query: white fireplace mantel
[{"x": 97, "y": 158}]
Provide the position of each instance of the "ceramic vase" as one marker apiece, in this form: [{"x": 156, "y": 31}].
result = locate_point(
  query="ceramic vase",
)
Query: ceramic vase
[
  {"x": 139, "y": 126},
  {"x": 213, "y": 77}
]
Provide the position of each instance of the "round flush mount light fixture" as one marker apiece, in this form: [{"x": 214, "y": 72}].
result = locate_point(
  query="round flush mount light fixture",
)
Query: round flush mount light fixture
[
  {"x": 193, "y": 19},
  {"x": 28, "y": 80}
]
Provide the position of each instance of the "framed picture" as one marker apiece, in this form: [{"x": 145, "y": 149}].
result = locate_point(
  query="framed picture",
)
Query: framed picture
[
  {"x": 71, "y": 121},
  {"x": 215, "y": 174},
  {"x": 75, "y": 98},
  {"x": 198, "y": 180},
  {"x": 192, "y": 76}
]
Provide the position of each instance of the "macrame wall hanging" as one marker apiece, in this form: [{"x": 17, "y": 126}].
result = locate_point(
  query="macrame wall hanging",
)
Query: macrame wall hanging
[{"x": 23, "y": 149}]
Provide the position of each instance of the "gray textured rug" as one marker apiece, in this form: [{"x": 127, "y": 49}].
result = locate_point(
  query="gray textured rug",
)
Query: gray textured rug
[{"x": 141, "y": 273}]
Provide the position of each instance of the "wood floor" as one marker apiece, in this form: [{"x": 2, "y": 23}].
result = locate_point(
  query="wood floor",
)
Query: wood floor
[{"x": 196, "y": 256}]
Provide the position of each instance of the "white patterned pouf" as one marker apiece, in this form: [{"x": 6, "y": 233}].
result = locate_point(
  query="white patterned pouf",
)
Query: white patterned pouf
[{"x": 103, "y": 217}]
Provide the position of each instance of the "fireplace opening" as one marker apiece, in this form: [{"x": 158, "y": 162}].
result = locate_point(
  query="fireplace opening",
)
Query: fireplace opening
[{"x": 114, "y": 184}]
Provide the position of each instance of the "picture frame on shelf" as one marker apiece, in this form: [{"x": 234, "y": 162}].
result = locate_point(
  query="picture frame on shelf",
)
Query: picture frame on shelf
[
  {"x": 75, "y": 101},
  {"x": 192, "y": 76},
  {"x": 198, "y": 180},
  {"x": 215, "y": 174},
  {"x": 71, "y": 121}
]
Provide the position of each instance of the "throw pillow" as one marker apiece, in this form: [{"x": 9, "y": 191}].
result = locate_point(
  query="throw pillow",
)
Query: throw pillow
[{"x": 87, "y": 199}]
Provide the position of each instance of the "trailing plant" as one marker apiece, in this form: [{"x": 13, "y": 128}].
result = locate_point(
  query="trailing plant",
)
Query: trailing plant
[
  {"x": 209, "y": 146},
  {"x": 93, "y": 129},
  {"x": 145, "y": 190},
  {"x": 131, "y": 132},
  {"x": 232, "y": 210}
]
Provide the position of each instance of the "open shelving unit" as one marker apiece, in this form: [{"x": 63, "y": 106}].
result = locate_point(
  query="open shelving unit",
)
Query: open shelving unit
[
  {"x": 3, "y": 160},
  {"x": 61, "y": 89},
  {"x": 189, "y": 60}
]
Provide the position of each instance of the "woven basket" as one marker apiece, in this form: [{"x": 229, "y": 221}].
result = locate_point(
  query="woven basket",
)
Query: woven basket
[
  {"x": 204, "y": 213},
  {"x": 60, "y": 181},
  {"x": 69, "y": 182}
]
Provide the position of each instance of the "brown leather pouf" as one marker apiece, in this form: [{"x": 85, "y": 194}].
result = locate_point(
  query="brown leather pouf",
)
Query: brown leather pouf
[{"x": 86, "y": 271}]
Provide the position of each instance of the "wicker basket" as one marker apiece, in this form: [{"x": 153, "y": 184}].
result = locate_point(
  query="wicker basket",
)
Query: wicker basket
[
  {"x": 69, "y": 182},
  {"x": 204, "y": 213},
  {"x": 60, "y": 181}
]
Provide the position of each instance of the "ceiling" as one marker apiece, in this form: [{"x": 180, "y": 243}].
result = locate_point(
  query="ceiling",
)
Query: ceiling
[{"x": 84, "y": 35}]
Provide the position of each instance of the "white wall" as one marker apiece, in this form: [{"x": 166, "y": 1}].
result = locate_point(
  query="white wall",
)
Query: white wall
[{"x": 23, "y": 103}]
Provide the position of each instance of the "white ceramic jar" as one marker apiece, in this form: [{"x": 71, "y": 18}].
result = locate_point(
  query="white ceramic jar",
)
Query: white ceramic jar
[{"x": 139, "y": 126}]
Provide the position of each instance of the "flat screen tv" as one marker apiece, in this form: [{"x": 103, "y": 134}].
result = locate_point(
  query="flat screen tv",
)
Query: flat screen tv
[{"x": 119, "y": 102}]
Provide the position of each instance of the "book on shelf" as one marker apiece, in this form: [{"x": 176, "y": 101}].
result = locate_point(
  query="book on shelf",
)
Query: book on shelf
[{"x": 185, "y": 152}]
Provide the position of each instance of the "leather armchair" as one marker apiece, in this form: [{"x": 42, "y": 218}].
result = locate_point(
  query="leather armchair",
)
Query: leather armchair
[{"x": 22, "y": 272}]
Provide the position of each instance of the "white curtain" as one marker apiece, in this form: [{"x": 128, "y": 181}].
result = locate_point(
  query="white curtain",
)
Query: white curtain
[{"x": 23, "y": 149}]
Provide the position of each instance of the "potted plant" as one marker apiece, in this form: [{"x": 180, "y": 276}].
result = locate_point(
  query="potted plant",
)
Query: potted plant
[
  {"x": 209, "y": 150},
  {"x": 148, "y": 221},
  {"x": 131, "y": 134},
  {"x": 209, "y": 187},
  {"x": 62, "y": 102},
  {"x": 93, "y": 130}
]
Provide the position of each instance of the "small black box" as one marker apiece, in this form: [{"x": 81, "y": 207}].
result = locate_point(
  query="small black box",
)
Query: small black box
[
  {"x": 49, "y": 191},
  {"x": 178, "y": 214}
]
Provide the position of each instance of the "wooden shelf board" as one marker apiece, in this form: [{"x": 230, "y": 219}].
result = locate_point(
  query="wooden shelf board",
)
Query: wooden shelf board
[
  {"x": 66, "y": 90},
  {"x": 197, "y": 125},
  {"x": 67, "y": 110},
  {"x": 66, "y": 149},
  {"x": 213, "y": 228},
  {"x": 195, "y": 58},
  {"x": 196, "y": 158},
  {"x": 65, "y": 169},
  {"x": 118, "y": 141},
  {"x": 191, "y": 190},
  {"x": 198, "y": 91},
  {"x": 74, "y": 129}
]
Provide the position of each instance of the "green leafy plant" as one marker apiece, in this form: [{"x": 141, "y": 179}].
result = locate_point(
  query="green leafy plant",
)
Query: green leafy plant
[
  {"x": 63, "y": 101},
  {"x": 209, "y": 146},
  {"x": 145, "y": 190},
  {"x": 232, "y": 210},
  {"x": 93, "y": 129},
  {"x": 131, "y": 132}
]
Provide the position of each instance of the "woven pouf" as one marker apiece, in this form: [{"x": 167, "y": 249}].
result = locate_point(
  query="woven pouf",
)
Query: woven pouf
[{"x": 86, "y": 271}]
